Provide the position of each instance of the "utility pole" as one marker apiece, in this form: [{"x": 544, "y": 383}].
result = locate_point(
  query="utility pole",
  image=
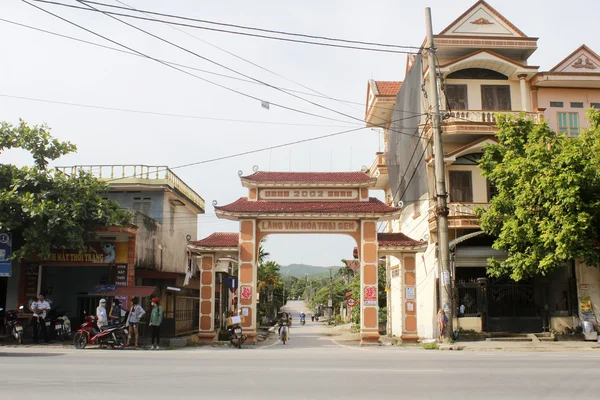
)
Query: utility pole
[
  {"x": 330, "y": 305},
  {"x": 440, "y": 184}
]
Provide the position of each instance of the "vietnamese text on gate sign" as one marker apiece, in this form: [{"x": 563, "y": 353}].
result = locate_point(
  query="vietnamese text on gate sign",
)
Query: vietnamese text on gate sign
[{"x": 308, "y": 226}]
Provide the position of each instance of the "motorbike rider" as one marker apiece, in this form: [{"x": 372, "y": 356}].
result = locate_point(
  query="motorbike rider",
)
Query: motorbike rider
[
  {"x": 284, "y": 319},
  {"x": 302, "y": 316},
  {"x": 38, "y": 322},
  {"x": 114, "y": 316},
  {"x": 101, "y": 315}
]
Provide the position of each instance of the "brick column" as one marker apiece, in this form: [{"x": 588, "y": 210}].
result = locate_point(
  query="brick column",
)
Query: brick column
[
  {"x": 369, "y": 321},
  {"x": 131, "y": 261},
  {"x": 248, "y": 277},
  {"x": 409, "y": 299},
  {"x": 207, "y": 299}
]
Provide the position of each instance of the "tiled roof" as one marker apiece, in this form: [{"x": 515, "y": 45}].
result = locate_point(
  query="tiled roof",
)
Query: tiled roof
[
  {"x": 388, "y": 88},
  {"x": 309, "y": 177},
  {"x": 219, "y": 239},
  {"x": 397, "y": 239},
  {"x": 243, "y": 205}
]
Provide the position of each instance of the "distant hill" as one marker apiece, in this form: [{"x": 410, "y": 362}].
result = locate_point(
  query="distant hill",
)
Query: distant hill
[{"x": 300, "y": 270}]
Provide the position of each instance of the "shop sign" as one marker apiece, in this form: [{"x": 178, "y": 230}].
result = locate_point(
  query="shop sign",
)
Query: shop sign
[
  {"x": 32, "y": 273},
  {"x": 370, "y": 296},
  {"x": 5, "y": 253},
  {"x": 97, "y": 253},
  {"x": 308, "y": 194},
  {"x": 121, "y": 278},
  {"x": 307, "y": 226}
]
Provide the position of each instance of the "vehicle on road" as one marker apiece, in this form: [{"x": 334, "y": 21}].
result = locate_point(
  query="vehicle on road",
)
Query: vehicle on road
[
  {"x": 283, "y": 334},
  {"x": 114, "y": 336},
  {"x": 13, "y": 324},
  {"x": 236, "y": 335}
]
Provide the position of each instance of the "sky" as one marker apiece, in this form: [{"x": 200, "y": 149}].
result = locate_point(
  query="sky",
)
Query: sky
[{"x": 38, "y": 65}]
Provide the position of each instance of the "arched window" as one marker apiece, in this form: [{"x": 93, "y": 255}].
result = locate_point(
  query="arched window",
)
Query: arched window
[{"x": 477, "y": 73}]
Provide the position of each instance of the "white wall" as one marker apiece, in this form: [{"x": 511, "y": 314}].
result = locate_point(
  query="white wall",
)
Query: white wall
[
  {"x": 590, "y": 276},
  {"x": 474, "y": 92},
  {"x": 479, "y": 181}
]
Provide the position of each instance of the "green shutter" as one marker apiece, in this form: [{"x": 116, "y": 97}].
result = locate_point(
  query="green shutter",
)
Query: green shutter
[
  {"x": 573, "y": 124},
  {"x": 562, "y": 123}
]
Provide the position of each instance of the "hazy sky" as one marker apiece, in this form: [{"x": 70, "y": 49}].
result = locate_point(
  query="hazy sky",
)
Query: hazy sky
[{"x": 38, "y": 65}]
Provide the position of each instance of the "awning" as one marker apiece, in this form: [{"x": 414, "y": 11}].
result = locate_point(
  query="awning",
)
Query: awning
[
  {"x": 122, "y": 291},
  {"x": 461, "y": 239}
]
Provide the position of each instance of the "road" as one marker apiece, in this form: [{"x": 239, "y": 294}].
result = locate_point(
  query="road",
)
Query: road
[{"x": 309, "y": 366}]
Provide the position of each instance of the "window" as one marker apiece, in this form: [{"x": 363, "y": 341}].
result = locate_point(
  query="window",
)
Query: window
[
  {"x": 142, "y": 205},
  {"x": 457, "y": 97},
  {"x": 568, "y": 123},
  {"x": 495, "y": 97},
  {"x": 492, "y": 190},
  {"x": 558, "y": 104},
  {"x": 595, "y": 105},
  {"x": 461, "y": 187},
  {"x": 576, "y": 105}
]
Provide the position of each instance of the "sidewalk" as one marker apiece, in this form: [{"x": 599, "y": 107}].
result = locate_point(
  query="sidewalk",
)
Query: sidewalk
[{"x": 530, "y": 347}]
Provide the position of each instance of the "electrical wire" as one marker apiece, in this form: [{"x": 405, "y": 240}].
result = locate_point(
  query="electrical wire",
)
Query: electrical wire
[
  {"x": 165, "y": 114},
  {"x": 255, "y": 29},
  {"x": 179, "y": 69},
  {"x": 222, "y": 65},
  {"x": 226, "y": 31}
]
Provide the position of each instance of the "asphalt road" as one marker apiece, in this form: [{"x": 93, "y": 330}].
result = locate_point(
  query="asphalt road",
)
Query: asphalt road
[{"x": 310, "y": 366}]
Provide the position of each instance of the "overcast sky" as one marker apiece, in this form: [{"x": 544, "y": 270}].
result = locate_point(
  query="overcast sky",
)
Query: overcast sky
[{"x": 42, "y": 66}]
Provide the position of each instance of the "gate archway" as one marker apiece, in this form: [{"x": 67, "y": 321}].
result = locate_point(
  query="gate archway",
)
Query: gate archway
[{"x": 302, "y": 203}]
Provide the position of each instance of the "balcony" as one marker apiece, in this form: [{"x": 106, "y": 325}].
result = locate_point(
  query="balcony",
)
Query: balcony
[
  {"x": 461, "y": 216},
  {"x": 139, "y": 177},
  {"x": 379, "y": 170},
  {"x": 478, "y": 122}
]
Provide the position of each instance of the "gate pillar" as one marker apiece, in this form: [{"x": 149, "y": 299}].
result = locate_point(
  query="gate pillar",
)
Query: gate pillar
[
  {"x": 247, "y": 277},
  {"x": 207, "y": 299},
  {"x": 369, "y": 319}
]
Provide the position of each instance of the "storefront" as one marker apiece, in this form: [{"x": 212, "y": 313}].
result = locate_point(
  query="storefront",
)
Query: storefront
[{"x": 68, "y": 277}]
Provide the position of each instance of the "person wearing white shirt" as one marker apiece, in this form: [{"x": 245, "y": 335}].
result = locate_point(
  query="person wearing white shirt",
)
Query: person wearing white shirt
[
  {"x": 101, "y": 315},
  {"x": 38, "y": 322}
]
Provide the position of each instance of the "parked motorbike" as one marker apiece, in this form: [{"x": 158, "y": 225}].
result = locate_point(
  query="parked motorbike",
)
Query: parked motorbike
[
  {"x": 114, "y": 336},
  {"x": 13, "y": 324},
  {"x": 62, "y": 328},
  {"x": 236, "y": 336}
]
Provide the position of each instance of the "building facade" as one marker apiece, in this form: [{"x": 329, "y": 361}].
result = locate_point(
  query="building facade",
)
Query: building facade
[{"x": 483, "y": 69}]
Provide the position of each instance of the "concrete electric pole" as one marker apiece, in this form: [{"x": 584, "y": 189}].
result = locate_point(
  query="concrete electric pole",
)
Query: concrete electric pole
[{"x": 440, "y": 184}]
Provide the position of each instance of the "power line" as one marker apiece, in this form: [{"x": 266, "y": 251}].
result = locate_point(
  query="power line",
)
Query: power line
[
  {"x": 179, "y": 69},
  {"x": 163, "y": 114},
  {"x": 255, "y": 29},
  {"x": 316, "y": 93},
  {"x": 221, "y": 65},
  {"x": 226, "y": 31}
]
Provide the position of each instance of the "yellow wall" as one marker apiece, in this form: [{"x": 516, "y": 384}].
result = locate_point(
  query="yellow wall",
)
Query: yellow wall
[
  {"x": 480, "y": 194},
  {"x": 474, "y": 92}
]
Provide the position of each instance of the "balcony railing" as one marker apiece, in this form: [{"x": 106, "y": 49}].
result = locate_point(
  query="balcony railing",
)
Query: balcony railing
[
  {"x": 460, "y": 214},
  {"x": 486, "y": 116},
  {"x": 148, "y": 174}
]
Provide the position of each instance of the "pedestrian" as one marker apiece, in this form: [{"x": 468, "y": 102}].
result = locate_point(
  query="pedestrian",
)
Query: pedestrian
[
  {"x": 442, "y": 321},
  {"x": 101, "y": 316},
  {"x": 114, "y": 316},
  {"x": 156, "y": 317},
  {"x": 133, "y": 321},
  {"x": 38, "y": 322}
]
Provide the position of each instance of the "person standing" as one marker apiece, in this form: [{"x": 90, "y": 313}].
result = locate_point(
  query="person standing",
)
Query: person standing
[
  {"x": 156, "y": 317},
  {"x": 133, "y": 321},
  {"x": 114, "y": 316},
  {"x": 38, "y": 322},
  {"x": 101, "y": 316},
  {"x": 442, "y": 321}
]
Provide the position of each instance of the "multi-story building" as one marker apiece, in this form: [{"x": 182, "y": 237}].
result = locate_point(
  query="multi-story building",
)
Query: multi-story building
[
  {"x": 483, "y": 70},
  {"x": 152, "y": 256}
]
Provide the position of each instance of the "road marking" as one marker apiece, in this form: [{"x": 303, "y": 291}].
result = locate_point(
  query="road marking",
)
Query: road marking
[{"x": 347, "y": 347}]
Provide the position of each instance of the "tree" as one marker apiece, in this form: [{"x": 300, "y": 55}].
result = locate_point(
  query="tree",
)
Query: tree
[
  {"x": 47, "y": 209},
  {"x": 547, "y": 210}
]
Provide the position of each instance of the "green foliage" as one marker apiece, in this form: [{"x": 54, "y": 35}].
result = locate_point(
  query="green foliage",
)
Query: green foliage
[
  {"x": 48, "y": 209},
  {"x": 547, "y": 210},
  {"x": 430, "y": 346}
]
